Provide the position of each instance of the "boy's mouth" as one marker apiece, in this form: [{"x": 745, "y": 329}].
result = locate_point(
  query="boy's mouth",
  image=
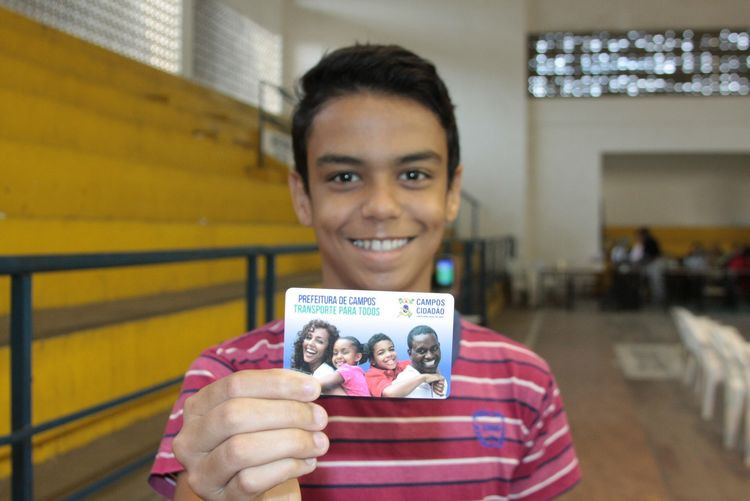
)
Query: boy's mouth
[
  {"x": 429, "y": 363},
  {"x": 380, "y": 244}
]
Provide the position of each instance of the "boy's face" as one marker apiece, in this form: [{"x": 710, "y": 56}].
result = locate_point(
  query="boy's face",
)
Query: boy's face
[{"x": 378, "y": 195}]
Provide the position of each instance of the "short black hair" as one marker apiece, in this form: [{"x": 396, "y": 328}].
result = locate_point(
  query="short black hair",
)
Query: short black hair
[
  {"x": 382, "y": 69},
  {"x": 375, "y": 339},
  {"x": 418, "y": 331}
]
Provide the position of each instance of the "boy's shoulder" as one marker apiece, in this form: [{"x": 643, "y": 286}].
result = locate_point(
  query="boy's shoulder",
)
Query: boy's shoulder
[{"x": 264, "y": 344}]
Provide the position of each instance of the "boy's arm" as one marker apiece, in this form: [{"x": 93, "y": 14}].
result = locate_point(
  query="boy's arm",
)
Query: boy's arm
[{"x": 406, "y": 386}]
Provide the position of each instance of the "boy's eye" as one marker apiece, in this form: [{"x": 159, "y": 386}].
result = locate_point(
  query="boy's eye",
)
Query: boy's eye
[
  {"x": 344, "y": 177},
  {"x": 414, "y": 175}
]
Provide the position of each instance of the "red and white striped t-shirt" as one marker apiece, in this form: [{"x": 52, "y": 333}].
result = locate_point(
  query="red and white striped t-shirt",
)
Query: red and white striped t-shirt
[{"x": 501, "y": 434}]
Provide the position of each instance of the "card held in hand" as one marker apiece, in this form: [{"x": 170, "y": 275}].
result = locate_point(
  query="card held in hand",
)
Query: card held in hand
[{"x": 380, "y": 344}]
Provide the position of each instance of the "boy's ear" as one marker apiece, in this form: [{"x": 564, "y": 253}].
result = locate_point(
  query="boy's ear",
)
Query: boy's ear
[
  {"x": 453, "y": 198},
  {"x": 300, "y": 198}
]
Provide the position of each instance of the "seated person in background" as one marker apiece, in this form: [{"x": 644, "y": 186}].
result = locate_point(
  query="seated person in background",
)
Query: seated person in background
[
  {"x": 696, "y": 260},
  {"x": 377, "y": 177},
  {"x": 619, "y": 253},
  {"x": 738, "y": 277},
  {"x": 424, "y": 351},
  {"x": 348, "y": 353},
  {"x": 385, "y": 367}
]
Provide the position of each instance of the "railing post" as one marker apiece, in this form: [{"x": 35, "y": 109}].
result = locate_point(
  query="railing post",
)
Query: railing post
[
  {"x": 483, "y": 273},
  {"x": 251, "y": 293},
  {"x": 468, "y": 282},
  {"x": 20, "y": 349},
  {"x": 270, "y": 287}
]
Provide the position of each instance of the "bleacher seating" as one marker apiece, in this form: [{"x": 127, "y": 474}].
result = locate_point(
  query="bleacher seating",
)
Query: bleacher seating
[{"x": 104, "y": 154}]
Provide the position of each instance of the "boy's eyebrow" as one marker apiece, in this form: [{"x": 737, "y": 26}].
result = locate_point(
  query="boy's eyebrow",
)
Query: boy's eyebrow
[
  {"x": 334, "y": 158},
  {"x": 420, "y": 156},
  {"x": 340, "y": 159}
]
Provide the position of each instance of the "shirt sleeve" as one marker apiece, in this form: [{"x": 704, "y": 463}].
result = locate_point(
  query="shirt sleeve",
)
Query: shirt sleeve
[
  {"x": 206, "y": 369},
  {"x": 346, "y": 371},
  {"x": 550, "y": 466},
  {"x": 377, "y": 382}
]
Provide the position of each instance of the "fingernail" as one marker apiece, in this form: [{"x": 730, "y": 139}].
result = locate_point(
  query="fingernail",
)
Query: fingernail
[
  {"x": 319, "y": 439},
  {"x": 311, "y": 461},
  {"x": 320, "y": 416}
]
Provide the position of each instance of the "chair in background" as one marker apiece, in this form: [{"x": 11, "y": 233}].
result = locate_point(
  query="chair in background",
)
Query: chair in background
[
  {"x": 690, "y": 343},
  {"x": 730, "y": 346},
  {"x": 711, "y": 372}
]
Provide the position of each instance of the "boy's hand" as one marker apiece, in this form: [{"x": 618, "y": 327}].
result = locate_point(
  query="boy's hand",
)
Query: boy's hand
[{"x": 250, "y": 431}]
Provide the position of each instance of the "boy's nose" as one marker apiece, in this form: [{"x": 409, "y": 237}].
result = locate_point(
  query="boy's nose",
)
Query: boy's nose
[{"x": 381, "y": 202}]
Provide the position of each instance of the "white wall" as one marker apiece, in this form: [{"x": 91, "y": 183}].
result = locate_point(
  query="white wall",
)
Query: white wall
[
  {"x": 676, "y": 190},
  {"x": 568, "y": 137},
  {"x": 618, "y": 15},
  {"x": 478, "y": 47}
]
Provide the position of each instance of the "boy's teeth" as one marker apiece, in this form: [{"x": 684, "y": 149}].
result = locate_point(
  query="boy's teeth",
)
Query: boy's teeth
[{"x": 378, "y": 245}]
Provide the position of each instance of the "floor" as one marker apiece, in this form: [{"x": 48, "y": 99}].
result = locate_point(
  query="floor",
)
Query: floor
[{"x": 637, "y": 439}]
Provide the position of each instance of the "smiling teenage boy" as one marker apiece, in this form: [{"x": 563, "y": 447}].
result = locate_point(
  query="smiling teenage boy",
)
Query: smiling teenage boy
[{"x": 377, "y": 177}]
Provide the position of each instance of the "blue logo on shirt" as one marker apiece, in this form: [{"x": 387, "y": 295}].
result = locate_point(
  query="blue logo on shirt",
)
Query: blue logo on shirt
[{"x": 489, "y": 428}]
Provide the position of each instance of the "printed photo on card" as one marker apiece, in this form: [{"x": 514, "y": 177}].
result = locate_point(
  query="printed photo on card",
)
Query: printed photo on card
[{"x": 377, "y": 344}]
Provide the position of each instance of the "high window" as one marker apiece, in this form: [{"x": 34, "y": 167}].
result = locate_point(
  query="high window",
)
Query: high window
[
  {"x": 638, "y": 63},
  {"x": 149, "y": 31},
  {"x": 233, "y": 54}
]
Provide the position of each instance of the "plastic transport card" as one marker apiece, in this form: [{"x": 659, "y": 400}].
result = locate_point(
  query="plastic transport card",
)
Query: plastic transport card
[{"x": 385, "y": 320}]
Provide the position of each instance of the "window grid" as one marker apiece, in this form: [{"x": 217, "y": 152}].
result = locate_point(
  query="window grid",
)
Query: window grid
[
  {"x": 637, "y": 63},
  {"x": 149, "y": 31},
  {"x": 233, "y": 54}
]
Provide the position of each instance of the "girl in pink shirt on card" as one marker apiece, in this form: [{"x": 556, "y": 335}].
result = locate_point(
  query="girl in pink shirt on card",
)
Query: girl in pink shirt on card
[{"x": 348, "y": 353}]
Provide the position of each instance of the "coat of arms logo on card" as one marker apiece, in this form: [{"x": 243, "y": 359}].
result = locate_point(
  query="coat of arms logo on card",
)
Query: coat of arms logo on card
[{"x": 405, "y": 309}]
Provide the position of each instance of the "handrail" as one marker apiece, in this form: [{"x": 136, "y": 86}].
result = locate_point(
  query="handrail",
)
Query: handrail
[
  {"x": 492, "y": 254},
  {"x": 10, "y": 265}
]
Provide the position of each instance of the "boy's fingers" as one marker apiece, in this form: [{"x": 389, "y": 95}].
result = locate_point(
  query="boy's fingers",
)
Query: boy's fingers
[
  {"x": 257, "y": 449},
  {"x": 262, "y": 479},
  {"x": 249, "y": 415},
  {"x": 252, "y": 452},
  {"x": 275, "y": 384}
]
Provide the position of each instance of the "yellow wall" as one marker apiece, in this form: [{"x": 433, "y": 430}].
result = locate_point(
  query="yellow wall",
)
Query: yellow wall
[{"x": 99, "y": 153}]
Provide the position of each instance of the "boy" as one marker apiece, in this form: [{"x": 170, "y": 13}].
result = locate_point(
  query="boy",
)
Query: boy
[{"x": 377, "y": 177}]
